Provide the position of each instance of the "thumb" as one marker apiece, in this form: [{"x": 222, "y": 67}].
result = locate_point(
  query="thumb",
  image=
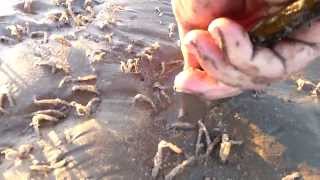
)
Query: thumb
[{"x": 195, "y": 81}]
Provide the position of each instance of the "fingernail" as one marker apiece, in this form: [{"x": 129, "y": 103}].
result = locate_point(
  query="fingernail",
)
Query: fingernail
[{"x": 219, "y": 33}]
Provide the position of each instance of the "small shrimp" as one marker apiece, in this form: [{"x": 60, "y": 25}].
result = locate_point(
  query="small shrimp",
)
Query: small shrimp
[{"x": 279, "y": 26}]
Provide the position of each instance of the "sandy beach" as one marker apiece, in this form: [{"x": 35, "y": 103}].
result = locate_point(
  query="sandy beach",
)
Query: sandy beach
[{"x": 86, "y": 93}]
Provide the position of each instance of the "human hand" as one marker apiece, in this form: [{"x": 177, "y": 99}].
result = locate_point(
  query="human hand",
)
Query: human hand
[{"x": 219, "y": 58}]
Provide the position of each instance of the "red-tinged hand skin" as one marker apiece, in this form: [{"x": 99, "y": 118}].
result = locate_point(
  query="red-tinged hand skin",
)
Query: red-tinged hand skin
[
  {"x": 197, "y": 14},
  {"x": 201, "y": 46},
  {"x": 216, "y": 45},
  {"x": 193, "y": 80}
]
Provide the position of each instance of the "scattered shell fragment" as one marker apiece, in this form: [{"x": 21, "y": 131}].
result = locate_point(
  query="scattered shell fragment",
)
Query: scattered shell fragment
[
  {"x": 109, "y": 37},
  {"x": 91, "y": 12},
  {"x": 59, "y": 2},
  {"x": 82, "y": 20},
  {"x": 42, "y": 117},
  {"x": 44, "y": 168},
  {"x": 110, "y": 17},
  {"x": 305, "y": 85},
  {"x": 172, "y": 29},
  {"x": 308, "y": 86},
  {"x": 55, "y": 155},
  {"x": 17, "y": 31},
  {"x": 39, "y": 118},
  {"x": 10, "y": 154},
  {"x": 129, "y": 48},
  {"x": 172, "y": 66},
  {"x": 25, "y": 150},
  {"x": 65, "y": 80},
  {"x": 64, "y": 18},
  {"x": 80, "y": 109},
  {"x": 155, "y": 46},
  {"x": 90, "y": 77},
  {"x": 98, "y": 56},
  {"x": 129, "y": 67},
  {"x": 171, "y": 146},
  {"x": 87, "y": 3},
  {"x": 316, "y": 91},
  {"x": 225, "y": 147},
  {"x": 51, "y": 102},
  {"x": 292, "y": 176},
  {"x": 85, "y": 88},
  {"x": 51, "y": 112},
  {"x": 75, "y": 18},
  {"x": 123, "y": 67},
  {"x": 163, "y": 68},
  {"x": 59, "y": 164},
  {"x": 61, "y": 39},
  {"x": 157, "y": 160},
  {"x": 87, "y": 110},
  {"x": 45, "y": 117},
  {"x": 180, "y": 168},
  {"x": 161, "y": 90},
  {"x": 80, "y": 79},
  {"x": 93, "y": 105},
  {"x": 182, "y": 126},
  {"x": 144, "y": 98},
  {"x": 150, "y": 50}
]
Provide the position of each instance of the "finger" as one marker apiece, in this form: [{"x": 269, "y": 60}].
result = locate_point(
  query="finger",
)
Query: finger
[
  {"x": 192, "y": 10},
  {"x": 302, "y": 48},
  {"x": 194, "y": 81},
  {"x": 310, "y": 33},
  {"x": 197, "y": 14},
  {"x": 297, "y": 55},
  {"x": 206, "y": 51},
  {"x": 189, "y": 59},
  {"x": 239, "y": 52}
]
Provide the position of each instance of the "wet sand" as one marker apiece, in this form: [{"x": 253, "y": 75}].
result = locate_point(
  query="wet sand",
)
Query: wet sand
[{"x": 280, "y": 127}]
